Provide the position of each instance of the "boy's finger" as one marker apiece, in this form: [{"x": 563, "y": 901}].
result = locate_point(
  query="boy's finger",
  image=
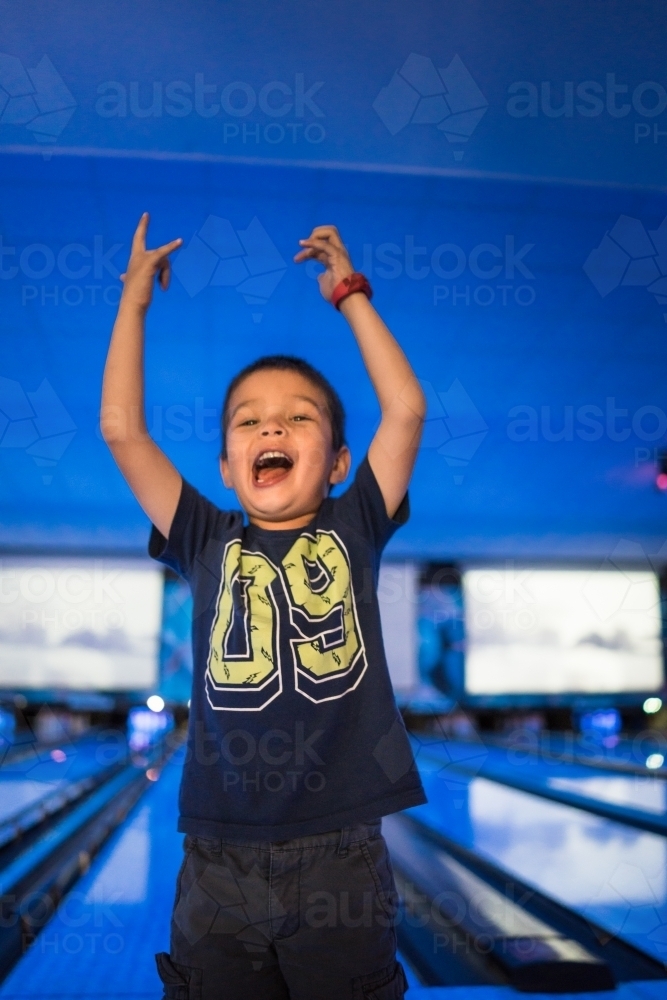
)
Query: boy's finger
[
  {"x": 313, "y": 253},
  {"x": 169, "y": 247},
  {"x": 139, "y": 238},
  {"x": 308, "y": 246},
  {"x": 164, "y": 275},
  {"x": 322, "y": 241},
  {"x": 325, "y": 231},
  {"x": 309, "y": 254},
  {"x": 320, "y": 245},
  {"x": 329, "y": 233}
]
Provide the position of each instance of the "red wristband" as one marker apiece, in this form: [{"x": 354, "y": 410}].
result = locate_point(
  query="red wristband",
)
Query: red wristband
[{"x": 353, "y": 283}]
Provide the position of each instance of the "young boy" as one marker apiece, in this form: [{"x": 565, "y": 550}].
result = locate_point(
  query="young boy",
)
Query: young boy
[{"x": 295, "y": 748}]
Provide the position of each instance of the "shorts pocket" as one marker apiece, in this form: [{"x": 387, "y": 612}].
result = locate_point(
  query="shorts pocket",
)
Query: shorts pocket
[
  {"x": 376, "y": 855},
  {"x": 188, "y": 847},
  {"x": 207, "y": 845},
  {"x": 179, "y": 981},
  {"x": 387, "y": 984}
]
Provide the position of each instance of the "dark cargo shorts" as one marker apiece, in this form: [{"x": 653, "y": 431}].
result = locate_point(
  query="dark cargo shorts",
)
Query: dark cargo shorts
[{"x": 305, "y": 919}]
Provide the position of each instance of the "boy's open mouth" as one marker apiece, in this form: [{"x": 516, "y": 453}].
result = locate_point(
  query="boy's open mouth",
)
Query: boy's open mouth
[{"x": 270, "y": 467}]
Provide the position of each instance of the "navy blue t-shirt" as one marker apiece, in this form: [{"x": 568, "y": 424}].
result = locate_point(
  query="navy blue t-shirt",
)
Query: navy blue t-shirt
[{"x": 293, "y": 725}]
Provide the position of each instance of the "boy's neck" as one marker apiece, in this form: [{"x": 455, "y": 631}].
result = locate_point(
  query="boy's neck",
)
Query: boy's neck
[{"x": 293, "y": 522}]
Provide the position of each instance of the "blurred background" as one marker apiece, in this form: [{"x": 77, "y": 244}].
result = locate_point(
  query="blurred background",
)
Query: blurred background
[{"x": 498, "y": 173}]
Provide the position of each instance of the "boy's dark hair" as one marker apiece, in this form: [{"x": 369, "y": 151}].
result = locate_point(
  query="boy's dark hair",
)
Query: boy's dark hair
[{"x": 286, "y": 362}]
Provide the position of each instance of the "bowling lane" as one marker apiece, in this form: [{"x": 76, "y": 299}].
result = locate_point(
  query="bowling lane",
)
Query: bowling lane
[
  {"x": 625, "y": 797},
  {"x": 612, "y": 874},
  {"x": 102, "y": 941},
  {"x": 625, "y": 991},
  {"x": 26, "y": 782},
  {"x": 643, "y": 794}
]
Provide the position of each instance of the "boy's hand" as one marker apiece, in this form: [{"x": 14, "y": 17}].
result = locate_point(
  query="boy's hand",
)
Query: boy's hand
[
  {"x": 325, "y": 245},
  {"x": 144, "y": 265}
]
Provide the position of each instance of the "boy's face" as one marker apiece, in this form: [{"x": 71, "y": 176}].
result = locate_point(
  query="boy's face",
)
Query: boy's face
[{"x": 280, "y": 459}]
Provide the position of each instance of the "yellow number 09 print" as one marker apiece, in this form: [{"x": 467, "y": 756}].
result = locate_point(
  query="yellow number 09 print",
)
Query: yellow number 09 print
[
  {"x": 328, "y": 657},
  {"x": 243, "y": 671}
]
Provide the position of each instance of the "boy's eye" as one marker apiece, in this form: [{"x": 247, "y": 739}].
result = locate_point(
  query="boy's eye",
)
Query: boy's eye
[
  {"x": 248, "y": 423},
  {"x": 301, "y": 416}
]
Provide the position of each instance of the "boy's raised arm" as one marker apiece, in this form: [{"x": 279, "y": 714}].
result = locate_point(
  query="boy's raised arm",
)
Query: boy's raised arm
[
  {"x": 394, "y": 448},
  {"x": 151, "y": 476}
]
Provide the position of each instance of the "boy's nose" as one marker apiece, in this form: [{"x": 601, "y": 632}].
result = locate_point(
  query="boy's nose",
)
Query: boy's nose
[{"x": 275, "y": 430}]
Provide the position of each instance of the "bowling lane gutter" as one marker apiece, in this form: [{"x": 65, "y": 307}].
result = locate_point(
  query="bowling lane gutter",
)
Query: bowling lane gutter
[
  {"x": 608, "y": 810},
  {"x": 524, "y": 905},
  {"x": 52, "y": 802},
  {"x": 615, "y": 765},
  {"x": 17, "y": 753},
  {"x": 506, "y": 942}
]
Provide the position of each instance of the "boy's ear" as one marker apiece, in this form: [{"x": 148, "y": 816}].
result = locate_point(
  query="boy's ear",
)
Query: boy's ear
[
  {"x": 341, "y": 466},
  {"x": 224, "y": 472}
]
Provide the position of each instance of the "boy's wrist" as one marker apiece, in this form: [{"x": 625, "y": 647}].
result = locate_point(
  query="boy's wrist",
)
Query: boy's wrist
[
  {"x": 131, "y": 303},
  {"x": 349, "y": 285},
  {"x": 351, "y": 303}
]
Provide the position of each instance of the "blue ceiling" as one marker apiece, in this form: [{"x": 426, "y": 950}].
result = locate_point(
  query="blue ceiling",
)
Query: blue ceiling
[{"x": 518, "y": 259}]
